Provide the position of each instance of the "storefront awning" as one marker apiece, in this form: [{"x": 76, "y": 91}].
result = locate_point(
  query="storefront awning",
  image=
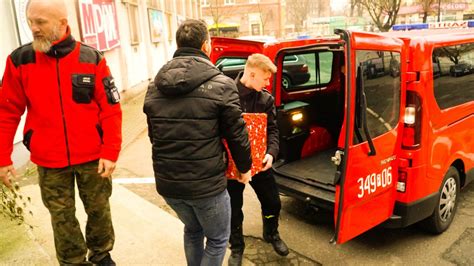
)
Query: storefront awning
[{"x": 224, "y": 26}]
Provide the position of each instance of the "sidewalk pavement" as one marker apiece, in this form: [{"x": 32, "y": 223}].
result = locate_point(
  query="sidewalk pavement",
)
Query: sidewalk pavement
[{"x": 145, "y": 233}]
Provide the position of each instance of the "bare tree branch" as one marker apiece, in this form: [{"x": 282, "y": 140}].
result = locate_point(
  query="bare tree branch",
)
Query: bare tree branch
[
  {"x": 383, "y": 12},
  {"x": 218, "y": 13},
  {"x": 298, "y": 11}
]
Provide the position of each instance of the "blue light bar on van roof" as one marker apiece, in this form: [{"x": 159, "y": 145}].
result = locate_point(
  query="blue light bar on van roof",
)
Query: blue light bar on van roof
[
  {"x": 435, "y": 25},
  {"x": 419, "y": 26}
]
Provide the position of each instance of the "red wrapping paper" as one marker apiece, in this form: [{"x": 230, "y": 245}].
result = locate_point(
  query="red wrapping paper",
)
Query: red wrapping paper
[{"x": 257, "y": 128}]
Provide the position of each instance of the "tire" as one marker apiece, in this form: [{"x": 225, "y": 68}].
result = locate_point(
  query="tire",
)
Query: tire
[
  {"x": 285, "y": 82},
  {"x": 447, "y": 203}
]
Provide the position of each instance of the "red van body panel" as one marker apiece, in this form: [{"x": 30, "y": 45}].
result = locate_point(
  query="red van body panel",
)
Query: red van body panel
[{"x": 446, "y": 135}]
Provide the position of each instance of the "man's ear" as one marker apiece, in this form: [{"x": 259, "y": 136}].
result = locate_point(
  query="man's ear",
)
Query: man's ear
[
  {"x": 63, "y": 23},
  {"x": 206, "y": 47},
  {"x": 252, "y": 74}
]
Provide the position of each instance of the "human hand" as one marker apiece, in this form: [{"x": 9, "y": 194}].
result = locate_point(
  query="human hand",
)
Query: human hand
[
  {"x": 4, "y": 171},
  {"x": 267, "y": 162},
  {"x": 245, "y": 177},
  {"x": 106, "y": 168}
]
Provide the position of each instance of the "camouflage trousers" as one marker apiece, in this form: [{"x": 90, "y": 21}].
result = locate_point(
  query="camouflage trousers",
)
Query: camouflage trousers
[{"x": 57, "y": 191}]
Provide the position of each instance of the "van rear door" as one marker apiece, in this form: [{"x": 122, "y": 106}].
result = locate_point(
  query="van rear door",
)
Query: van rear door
[
  {"x": 233, "y": 48},
  {"x": 371, "y": 135}
]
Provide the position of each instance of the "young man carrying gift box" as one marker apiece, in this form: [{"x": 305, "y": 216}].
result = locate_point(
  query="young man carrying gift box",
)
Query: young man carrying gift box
[{"x": 255, "y": 99}]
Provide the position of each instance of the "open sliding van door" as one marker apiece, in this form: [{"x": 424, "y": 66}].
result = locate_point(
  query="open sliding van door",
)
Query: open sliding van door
[{"x": 371, "y": 133}]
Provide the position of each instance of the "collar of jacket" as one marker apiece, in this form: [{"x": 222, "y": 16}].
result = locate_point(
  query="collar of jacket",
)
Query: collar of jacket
[
  {"x": 64, "y": 46},
  {"x": 244, "y": 91},
  {"x": 188, "y": 51}
]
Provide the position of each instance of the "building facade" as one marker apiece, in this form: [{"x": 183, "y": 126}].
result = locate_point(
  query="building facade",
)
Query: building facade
[
  {"x": 234, "y": 18},
  {"x": 412, "y": 11}
]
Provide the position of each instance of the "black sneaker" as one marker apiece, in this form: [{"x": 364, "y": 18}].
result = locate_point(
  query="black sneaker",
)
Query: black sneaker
[
  {"x": 278, "y": 244},
  {"x": 106, "y": 261},
  {"x": 235, "y": 259}
]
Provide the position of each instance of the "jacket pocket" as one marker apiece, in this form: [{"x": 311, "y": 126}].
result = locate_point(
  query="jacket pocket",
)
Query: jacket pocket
[
  {"x": 27, "y": 138},
  {"x": 101, "y": 133},
  {"x": 83, "y": 87}
]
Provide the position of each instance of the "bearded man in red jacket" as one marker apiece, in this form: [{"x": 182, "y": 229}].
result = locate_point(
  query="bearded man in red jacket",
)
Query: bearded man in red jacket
[{"x": 72, "y": 129}]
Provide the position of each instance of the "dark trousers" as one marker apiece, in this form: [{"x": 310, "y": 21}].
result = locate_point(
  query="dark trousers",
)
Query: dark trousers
[
  {"x": 266, "y": 189},
  {"x": 57, "y": 192}
]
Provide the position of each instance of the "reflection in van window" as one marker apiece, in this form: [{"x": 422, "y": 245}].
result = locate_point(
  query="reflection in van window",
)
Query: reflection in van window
[
  {"x": 453, "y": 74},
  {"x": 231, "y": 66},
  {"x": 301, "y": 71},
  {"x": 381, "y": 80}
]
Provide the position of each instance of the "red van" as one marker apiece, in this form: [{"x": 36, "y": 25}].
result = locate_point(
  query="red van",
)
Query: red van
[{"x": 381, "y": 132}]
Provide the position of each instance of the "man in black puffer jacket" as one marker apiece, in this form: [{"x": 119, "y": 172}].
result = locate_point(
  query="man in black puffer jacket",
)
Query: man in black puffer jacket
[{"x": 190, "y": 107}]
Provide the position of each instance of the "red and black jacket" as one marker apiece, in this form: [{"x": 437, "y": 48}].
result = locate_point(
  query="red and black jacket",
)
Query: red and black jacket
[{"x": 73, "y": 114}]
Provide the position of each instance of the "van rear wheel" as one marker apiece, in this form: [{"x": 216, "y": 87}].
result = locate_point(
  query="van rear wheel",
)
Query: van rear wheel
[{"x": 447, "y": 203}]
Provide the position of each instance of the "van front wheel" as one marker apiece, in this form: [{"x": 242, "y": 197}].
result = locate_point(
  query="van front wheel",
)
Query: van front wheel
[{"x": 447, "y": 203}]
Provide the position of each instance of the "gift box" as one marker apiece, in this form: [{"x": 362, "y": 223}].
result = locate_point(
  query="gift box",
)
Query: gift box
[{"x": 257, "y": 129}]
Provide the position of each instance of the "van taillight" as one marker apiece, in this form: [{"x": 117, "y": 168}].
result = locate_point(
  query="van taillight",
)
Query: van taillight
[
  {"x": 412, "y": 120},
  {"x": 402, "y": 181},
  {"x": 403, "y": 164}
]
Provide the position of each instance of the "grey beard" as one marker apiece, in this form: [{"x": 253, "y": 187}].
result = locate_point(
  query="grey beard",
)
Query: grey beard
[{"x": 42, "y": 45}]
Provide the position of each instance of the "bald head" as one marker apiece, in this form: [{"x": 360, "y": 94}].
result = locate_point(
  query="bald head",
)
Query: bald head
[
  {"x": 48, "y": 22},
  {"x": 55, "y": 8}
]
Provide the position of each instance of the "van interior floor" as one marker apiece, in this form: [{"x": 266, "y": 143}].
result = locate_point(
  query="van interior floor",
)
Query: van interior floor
[{"x": 315, "y": 168}]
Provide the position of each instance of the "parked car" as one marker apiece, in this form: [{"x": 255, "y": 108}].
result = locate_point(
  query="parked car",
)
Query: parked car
[
  {"x": 374, "y": 68},
  {"x": 295, "y": 69},
  {"x": 436, "y": 70},
  {"x": 461, "y": 69}
]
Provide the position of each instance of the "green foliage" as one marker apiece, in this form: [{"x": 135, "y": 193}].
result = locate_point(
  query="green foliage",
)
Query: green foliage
[{"x": 13, "y": 203}]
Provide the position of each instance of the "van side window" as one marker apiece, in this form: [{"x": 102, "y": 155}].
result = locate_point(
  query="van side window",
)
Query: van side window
[
  {"x": 380, "y": 74},
  {"x": 453, "y": 75},
  {"x": 303, "y": 70},
  {"x": 231, "y": 66}
]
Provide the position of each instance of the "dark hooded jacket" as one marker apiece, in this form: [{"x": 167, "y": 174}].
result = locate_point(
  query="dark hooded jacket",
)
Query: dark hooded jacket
[{"x": 190, "y": 107}]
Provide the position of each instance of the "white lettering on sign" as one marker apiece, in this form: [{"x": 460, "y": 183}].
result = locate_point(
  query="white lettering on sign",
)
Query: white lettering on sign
[
  {"x": 374, "y": 181},
  {"x": 99, "y": 23},
  {"x": 448, "y": 25}
]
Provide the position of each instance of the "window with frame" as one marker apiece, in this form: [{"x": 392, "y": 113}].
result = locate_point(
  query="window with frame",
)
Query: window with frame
[
  {"x": 229, "y": 2},
  {"x": 304, "y": 70},
  {"x": 134, "y": 24},
  {"x": 205, "y": 3},
  {"x": 378, "y": 78},
  {"x": 453, "y": 75},
  {"x": 169, "y": 21}
]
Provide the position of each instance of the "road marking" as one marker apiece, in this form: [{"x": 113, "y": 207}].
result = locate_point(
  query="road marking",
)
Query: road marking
[{"x": 134, "y": 180}]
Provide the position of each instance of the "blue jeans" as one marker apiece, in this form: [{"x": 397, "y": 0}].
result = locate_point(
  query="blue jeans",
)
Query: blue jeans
[{"x": 207, "y": 217}]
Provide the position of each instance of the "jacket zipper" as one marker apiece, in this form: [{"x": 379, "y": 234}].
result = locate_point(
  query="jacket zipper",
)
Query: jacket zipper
[{"x": 62, "y": 109}]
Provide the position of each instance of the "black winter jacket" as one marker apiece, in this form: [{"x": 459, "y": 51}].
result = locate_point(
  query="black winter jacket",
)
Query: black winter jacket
[
  {"x": 190, "y": 107},
  {"x": 253, "y": 101}
]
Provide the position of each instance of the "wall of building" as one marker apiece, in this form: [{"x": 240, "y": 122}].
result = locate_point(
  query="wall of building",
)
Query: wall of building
[
  {"x": 262, "y": 17},
  {"x": 8, "y": 33}
]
